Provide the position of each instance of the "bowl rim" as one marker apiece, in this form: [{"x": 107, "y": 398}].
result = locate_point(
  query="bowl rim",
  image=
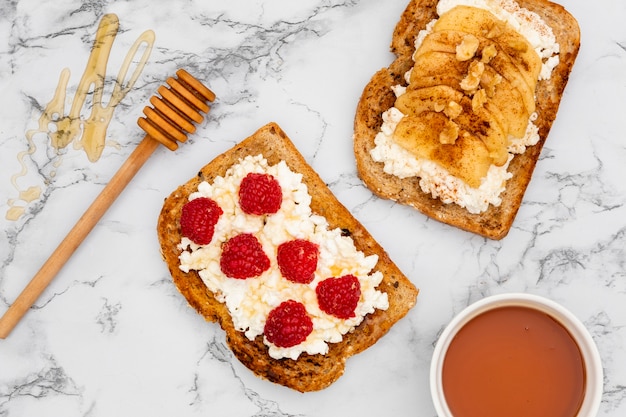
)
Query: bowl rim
[{"x": 586, "y": 344}]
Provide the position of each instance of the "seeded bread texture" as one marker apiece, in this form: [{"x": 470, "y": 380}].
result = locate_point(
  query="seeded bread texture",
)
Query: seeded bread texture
[
  {"x": 377, "y": 97},
  {"x": 309, "y": 372}
]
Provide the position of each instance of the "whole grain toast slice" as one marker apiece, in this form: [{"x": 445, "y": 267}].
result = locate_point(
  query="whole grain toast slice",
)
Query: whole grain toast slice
[
  {"x": 377, "y": 97},
  {"x": 308, "y": 372}
]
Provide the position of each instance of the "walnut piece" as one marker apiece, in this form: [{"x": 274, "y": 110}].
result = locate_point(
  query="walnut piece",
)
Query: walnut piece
[
  {"x": 489, "y": 52},
  {"x": 479, "y": 99},
  {"x": 489, "y": 83},
  {"x": 453, "y": 110},
  {"x": 449, "y": 133},
  {"x": 466, "y": 50},
  {"x": 472, "y": 80}
]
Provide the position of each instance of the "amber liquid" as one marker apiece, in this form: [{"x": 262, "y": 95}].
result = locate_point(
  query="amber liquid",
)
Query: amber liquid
[
  {"x": 88, "y": 133},
  {"x": 513, "y": 362}
]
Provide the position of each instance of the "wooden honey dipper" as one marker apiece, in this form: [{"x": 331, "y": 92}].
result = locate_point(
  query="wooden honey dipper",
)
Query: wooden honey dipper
[{"x": 173, "y": 116}]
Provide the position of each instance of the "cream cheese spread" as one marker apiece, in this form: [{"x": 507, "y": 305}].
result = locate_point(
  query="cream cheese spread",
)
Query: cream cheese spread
[
  {"x": 249, "y": 301},
  {"x": 436, "y": 180}
]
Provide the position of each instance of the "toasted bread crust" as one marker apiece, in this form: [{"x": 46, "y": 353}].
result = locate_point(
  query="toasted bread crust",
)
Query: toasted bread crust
[
  {"x": 377, "y": 97},
  {"x": 309, "y": 372}
]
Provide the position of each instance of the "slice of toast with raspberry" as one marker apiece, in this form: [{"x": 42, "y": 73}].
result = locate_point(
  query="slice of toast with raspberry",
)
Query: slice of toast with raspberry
[
  {"x": 309, "y": 372},
  {"x": 378, "y": 96}
]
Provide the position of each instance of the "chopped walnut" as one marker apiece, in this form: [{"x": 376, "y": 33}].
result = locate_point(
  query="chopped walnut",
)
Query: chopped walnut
[
  {"x": 453, "y": 110},
  {"x": 466, "y": 50},
  {"x": 489, "y": 83},
  {"x": 489, "y": 52},
  {"x": 439, "y": 107},
  {"x": 471, "y": 82},
  {"x": 449, "y": 133},
  {"x": 479, "y": 99}
]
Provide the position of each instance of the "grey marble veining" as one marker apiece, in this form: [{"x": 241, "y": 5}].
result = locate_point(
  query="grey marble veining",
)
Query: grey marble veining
[{"x": 112, "y": 336}]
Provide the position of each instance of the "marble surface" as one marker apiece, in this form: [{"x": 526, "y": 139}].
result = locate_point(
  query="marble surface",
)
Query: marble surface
[{"x": 112, "y": 336}]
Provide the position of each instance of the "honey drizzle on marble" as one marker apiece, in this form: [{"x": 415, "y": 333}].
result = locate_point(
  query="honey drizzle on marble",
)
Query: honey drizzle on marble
[{"x": 64, "y": 129}]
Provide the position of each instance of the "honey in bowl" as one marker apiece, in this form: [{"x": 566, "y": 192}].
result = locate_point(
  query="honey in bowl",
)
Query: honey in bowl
[{"x": 513, "y": 361}]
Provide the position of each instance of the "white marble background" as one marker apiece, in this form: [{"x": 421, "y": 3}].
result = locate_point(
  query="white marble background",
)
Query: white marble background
[{"x": 111, "y": 336}]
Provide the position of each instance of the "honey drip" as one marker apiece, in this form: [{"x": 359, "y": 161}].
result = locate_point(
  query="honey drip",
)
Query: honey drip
[{"x": 87, "y": 133}]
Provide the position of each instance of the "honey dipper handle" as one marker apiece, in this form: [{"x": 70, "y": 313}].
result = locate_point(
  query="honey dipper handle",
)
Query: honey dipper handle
[{"x": 74, "y": 238}]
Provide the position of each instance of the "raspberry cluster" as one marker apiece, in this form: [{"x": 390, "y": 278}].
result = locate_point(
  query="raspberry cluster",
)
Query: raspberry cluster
[{"x": 243, "y": 257}]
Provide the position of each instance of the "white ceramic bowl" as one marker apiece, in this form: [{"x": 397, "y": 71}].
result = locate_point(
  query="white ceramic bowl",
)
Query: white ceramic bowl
[{"x": 588, "y": 349}]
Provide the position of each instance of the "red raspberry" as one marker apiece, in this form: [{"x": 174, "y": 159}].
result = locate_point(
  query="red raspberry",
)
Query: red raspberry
[
  {"x": 198, "y": 219},
  {"x": 297, "y": 260},
  {"x": 260, "y": 194},
  {"x": 339, "y": 296},
  {"x": 243, "y": 257},
  {"x": 288, "y": 324}
]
